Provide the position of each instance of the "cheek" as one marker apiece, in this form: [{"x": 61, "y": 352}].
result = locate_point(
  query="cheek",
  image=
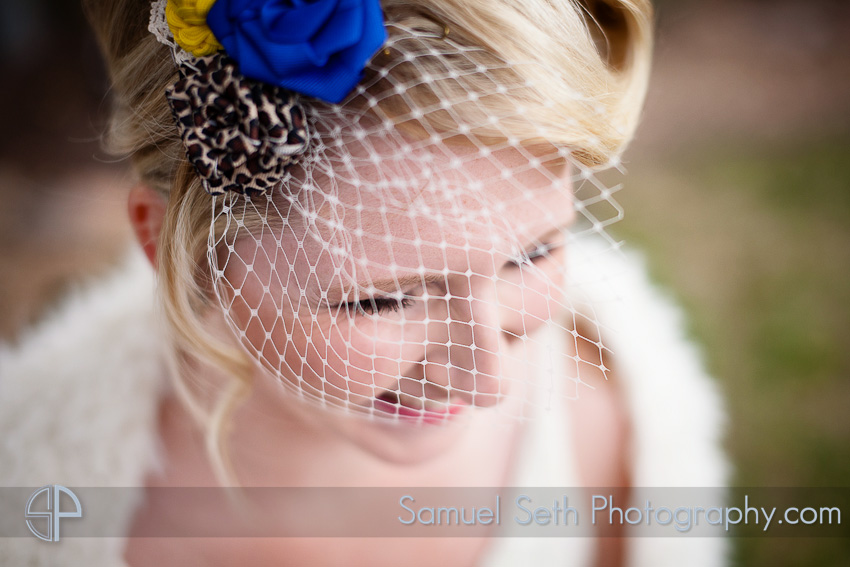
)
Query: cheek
[
  {"x": 343, "y": 358},
  {"x": 532, "y": 295},
  {"x": 368, "y": 354}
]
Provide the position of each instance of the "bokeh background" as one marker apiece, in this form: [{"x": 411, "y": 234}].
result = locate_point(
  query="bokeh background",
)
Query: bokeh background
[{"x": 738, "y": 191}]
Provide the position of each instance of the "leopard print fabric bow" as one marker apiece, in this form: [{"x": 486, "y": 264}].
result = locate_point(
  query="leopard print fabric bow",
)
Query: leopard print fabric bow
[{"x": 240, "y": 135}]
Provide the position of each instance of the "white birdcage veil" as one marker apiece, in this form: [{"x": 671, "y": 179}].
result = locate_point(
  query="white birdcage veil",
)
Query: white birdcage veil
[{"x": 411, "y": 261}]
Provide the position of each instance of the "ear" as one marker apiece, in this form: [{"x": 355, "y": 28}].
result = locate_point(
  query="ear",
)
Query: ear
[{"x": 147, "y": 210}]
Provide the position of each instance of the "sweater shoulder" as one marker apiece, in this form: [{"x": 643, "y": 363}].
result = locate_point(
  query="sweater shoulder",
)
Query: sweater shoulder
[
  {"x": 84, "y": 379},
  {"x": 678, "y": 414}
]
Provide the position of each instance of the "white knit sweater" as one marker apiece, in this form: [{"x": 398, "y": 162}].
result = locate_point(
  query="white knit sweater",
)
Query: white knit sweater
[{"x": 79, "y": 397}]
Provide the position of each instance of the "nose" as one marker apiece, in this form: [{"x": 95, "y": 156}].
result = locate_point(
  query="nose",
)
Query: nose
[{"x": 463, "y": 347}]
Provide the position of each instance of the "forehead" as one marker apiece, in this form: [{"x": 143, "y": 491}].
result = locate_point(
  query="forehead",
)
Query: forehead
[
  {"x": 381, "y": 212},
  {"x": 451, "y": 191}
]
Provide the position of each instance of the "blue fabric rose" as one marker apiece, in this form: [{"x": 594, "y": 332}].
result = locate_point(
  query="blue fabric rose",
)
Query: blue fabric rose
[{"x": 314, "y": 47}]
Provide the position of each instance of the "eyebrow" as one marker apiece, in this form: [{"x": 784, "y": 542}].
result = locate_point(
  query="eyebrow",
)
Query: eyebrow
[
  {"x": 548, "y": 236},
  {"x": 404, "y": 281}
]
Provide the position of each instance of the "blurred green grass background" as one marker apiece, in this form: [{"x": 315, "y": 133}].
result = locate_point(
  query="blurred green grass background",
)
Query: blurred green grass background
[{"x": 755, "y": 243}]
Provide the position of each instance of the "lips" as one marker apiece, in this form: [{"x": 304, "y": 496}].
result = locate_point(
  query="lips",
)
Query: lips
[{"x": 391, "y": 403}]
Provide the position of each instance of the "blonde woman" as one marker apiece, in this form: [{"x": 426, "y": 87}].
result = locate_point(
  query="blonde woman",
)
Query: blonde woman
[{"x": 380, "y": 261}]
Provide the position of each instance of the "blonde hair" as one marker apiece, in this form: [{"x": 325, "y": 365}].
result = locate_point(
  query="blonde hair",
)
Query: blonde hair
[{"x": 600, "y": 49}]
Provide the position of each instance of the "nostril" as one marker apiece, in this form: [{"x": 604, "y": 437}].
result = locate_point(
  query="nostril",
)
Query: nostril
[
  {"x": 389, "y": 397},
  {"x": 510, "y": 337}
]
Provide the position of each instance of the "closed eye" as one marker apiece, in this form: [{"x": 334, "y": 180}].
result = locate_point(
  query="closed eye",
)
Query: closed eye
[
  {"x": 380, "y": 305},
  {"x": 532, "y": 256}
]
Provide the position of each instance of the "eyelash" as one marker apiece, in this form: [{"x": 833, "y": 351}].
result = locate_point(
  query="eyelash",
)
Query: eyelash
[
  {"x": 541, "y": 251},
  {"x": 378, "y": 305}
]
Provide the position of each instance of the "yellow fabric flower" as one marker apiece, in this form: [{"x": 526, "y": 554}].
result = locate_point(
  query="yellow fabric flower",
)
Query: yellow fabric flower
[{"x": 187, "y": 20}]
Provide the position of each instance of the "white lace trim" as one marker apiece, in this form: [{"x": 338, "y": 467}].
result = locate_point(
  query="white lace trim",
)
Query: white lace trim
[{"x": 158, "y": 26}]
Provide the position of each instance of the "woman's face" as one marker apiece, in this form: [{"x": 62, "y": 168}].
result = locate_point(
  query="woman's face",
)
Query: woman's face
[{"x": 408, "y": 300}]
